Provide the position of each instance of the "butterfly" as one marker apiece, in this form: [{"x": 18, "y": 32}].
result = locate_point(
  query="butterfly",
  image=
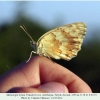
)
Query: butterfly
[{"x": 60, "y": 43}]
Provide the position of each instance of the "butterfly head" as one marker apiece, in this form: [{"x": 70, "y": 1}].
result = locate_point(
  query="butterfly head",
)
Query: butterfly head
[{"x": 34, "y": 45}]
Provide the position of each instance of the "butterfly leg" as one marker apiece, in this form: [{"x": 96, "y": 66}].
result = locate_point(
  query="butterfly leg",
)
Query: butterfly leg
[
  {"x": 47, "y": 56},
  {"x": 30, "y": 56}
]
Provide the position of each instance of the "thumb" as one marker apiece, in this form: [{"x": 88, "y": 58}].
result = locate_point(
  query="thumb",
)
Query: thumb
[
  {"x": 51, "y": 87},
  {"x": 54, "y": 87}
]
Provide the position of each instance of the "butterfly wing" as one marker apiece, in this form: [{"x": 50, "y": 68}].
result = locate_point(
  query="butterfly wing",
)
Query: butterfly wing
[{"x": 63, "y": 42}]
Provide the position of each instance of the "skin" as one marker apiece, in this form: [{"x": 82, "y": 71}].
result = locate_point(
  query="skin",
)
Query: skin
[{"x": 28, "y": 77}]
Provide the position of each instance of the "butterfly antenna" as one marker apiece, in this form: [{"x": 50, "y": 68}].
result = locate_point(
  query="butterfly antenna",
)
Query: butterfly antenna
[{"x": 25, "y": 30}]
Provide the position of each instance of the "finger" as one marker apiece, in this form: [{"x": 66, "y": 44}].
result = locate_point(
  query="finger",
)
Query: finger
[
  {"x": 54, "y": 87},
  {"x": 25, "y": 90},
  {"x": 51, "y": 87},
  {"x": 50, "y": 71},
  {"x": 40, "y": 70},
  {"x": 23, "y": 75}
]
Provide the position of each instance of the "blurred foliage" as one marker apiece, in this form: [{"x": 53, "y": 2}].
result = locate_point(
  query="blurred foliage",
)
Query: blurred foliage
[{"x": 15, "y": 48}]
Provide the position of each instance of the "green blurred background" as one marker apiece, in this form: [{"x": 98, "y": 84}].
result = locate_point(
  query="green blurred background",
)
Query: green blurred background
[{"x": 15, "y": 46}]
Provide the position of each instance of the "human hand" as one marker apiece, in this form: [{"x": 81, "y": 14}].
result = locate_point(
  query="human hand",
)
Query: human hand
[{"x": 41, "y": 75}]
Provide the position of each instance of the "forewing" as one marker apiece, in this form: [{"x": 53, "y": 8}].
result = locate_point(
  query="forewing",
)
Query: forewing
[{"x": 63, "y": 42}]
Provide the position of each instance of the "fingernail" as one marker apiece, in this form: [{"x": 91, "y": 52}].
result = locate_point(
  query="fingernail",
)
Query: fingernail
[{"x": 54, "y": 87}]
